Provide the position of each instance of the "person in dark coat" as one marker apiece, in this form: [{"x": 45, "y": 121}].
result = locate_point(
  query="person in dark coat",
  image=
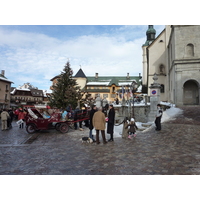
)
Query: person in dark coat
[
  {"x": 111, "y": 122},
  {"x": 10, "y": 119},
  {"x": 77, "y": 114},
  {"x": 158, "y": 117},
  {"x": 94, "y": 109}
]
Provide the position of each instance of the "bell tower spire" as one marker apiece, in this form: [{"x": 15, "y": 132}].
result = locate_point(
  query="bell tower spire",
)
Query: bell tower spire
[{"x": 151, "y": 33}]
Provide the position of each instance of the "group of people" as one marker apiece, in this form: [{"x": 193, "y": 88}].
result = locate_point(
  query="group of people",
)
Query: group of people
[
  {"x": 98, "y": 119},
  {"x": 7, "y": 116}
]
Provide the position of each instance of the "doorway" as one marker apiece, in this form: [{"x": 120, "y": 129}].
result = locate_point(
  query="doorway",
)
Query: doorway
[{"x": 190, "y": 93}]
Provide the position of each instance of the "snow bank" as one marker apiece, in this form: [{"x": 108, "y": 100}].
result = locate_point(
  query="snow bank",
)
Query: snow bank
[{"x": 170, "y": 114}]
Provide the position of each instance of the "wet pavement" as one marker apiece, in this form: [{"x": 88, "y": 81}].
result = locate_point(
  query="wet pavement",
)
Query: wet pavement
[{"x": 173, "y": 150}]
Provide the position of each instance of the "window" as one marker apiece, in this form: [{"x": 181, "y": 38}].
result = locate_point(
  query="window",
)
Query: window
[
  {"x": 6, "y": 88},
  {"x": 189, "y": 50},
  {"x": 152, "y": 36},
  {"x": 105, "y": 96},
  {"x": 162, "y": 88},
  {"x": 113, "y": 89}
]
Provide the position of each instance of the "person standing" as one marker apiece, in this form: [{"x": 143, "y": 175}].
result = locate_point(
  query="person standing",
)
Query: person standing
[
  {"x": 111, "y": 122},
  {"x": 132, "y": 128},
  {"x": 21, "y": 115},
  {"x": 16, "y": 112},
  {"x": 10, "y": 119},
  {"x": 94, "y": 109},
  {"x": 4, "y": 118},
  {"x": 158, "y": 117},
  {"x": 77, "y": 114},
  {"x": 99, "y": 123}
]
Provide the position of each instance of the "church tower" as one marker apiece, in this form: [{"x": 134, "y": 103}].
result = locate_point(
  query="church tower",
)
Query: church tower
[{"x": 150, "y": 33}]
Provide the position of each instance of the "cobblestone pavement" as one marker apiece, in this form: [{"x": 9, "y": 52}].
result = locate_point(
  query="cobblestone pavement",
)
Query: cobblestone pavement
[{"x": 173, "y": 150}]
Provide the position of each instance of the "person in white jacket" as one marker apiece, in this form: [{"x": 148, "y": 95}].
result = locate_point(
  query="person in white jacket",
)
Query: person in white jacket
[
  {"x": 158, "y": 117},
  {"x": 4, "y": 117}
]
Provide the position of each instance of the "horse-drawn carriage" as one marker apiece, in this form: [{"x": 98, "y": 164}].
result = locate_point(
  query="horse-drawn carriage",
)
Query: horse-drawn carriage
[{"x": 43, "y": 118}]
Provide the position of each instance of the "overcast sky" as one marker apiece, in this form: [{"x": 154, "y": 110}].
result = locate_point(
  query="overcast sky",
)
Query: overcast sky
[{"x": 35, "y": 54}]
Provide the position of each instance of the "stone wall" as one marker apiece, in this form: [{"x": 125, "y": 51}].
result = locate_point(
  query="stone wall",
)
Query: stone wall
[{"x": 141, "y": 113}]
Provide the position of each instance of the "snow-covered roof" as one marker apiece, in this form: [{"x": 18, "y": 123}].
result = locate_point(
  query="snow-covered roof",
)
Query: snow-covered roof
[
  {"x": 5, "y": 79},
  {"x": 24, "y": 89},
  {"x": 46, "y": 91},
  {"x": 98, "y": 83},
  {"x": 124, "y": 83}
]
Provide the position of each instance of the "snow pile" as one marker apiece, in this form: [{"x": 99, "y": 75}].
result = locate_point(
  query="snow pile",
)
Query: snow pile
[{"x": 170, "y": 114}]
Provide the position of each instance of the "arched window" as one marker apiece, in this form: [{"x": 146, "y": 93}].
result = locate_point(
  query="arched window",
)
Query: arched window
[{"x": 189, "y": 50}]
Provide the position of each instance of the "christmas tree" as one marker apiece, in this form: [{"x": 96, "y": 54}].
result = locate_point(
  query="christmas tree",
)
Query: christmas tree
[{"x": 66, "y": 91}]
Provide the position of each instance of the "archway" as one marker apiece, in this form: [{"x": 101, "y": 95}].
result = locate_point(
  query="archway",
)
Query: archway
[{"x": 190, "y": 93}]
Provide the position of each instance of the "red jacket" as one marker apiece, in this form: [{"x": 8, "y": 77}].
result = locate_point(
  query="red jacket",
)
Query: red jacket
[{"x": 21, "y": 115}]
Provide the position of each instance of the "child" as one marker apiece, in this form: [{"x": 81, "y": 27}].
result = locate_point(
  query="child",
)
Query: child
[{"x": 132, "y": 129}]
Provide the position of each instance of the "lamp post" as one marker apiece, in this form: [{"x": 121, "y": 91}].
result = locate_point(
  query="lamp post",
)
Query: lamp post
[{"x": 133, "y": 89}]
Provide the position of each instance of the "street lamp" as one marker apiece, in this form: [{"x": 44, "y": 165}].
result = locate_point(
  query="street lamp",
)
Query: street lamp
[{"x": 133, "y": 89}]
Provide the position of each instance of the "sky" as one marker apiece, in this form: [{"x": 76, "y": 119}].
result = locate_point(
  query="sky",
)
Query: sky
[
  {"x": 37, "y": 53},
  {"x": 37, "y": 37}
]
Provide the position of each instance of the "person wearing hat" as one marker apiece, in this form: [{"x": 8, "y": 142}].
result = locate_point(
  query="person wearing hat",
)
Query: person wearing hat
[
  {"x": 158, "y": 117},
  {"x": 132, "y": 128}
]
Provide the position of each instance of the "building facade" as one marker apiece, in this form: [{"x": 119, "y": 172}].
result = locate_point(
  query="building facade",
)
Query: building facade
[
  {"x": 174, "y": 55},
  {"x": 107, "y": 87},
  {"x": 26, "y": 95},
  {"x": 5, "y": 86}
]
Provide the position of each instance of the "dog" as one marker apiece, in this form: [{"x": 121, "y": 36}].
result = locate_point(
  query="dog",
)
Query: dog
[{"x": 87, "y": 139}]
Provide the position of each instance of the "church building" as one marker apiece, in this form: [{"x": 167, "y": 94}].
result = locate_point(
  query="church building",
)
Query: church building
[{"x": 174, "y": 56}]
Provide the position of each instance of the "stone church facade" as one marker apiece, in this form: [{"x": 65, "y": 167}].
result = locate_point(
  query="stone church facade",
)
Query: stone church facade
[{"x": 174, "y": 55}]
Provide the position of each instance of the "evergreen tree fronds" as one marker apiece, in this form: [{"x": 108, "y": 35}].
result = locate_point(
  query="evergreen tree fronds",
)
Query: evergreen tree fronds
[{"x": 66, "y": 91}]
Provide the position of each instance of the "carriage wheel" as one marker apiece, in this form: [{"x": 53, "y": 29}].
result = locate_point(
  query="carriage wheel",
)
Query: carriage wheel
[
  {"x": 57, "y": 126},
  {"x": 64, "y": 128},
  {"x": 31, "y": 128}
]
